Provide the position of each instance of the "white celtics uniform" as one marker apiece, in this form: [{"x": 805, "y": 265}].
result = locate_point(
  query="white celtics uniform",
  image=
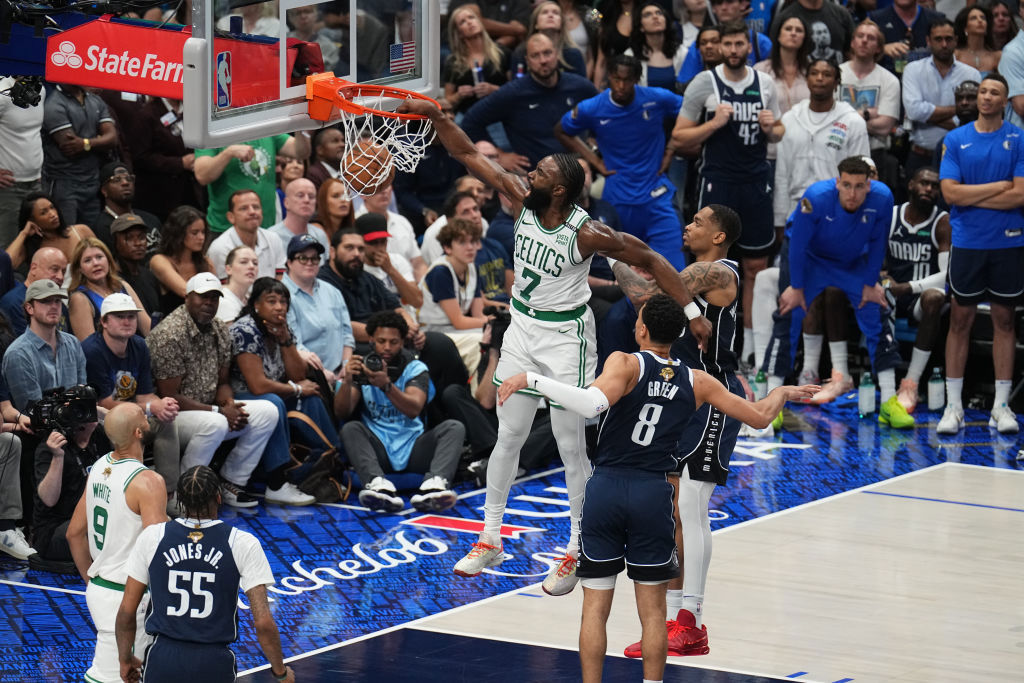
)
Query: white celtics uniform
[
  {"x": 112, "y": 529},
  {"x": 552, "y": 331}
]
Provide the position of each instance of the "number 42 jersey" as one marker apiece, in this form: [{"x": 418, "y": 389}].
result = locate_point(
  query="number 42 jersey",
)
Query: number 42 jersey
[{"x": 641, "y": 430}]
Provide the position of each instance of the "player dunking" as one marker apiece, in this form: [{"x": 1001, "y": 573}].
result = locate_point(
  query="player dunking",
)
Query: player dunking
[
  {"x": 708, "y": 439},
  {"x": 121, "y": 497},
  {"x": 552, "y": 330},
  {"x": 628, "y": 514},
  {"x": 193, "y": 567}
]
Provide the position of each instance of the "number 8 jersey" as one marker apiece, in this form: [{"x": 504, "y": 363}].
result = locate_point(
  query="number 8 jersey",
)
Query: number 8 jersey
[
  {"x": 111, "y": 525},
  {"x": 641, "y": 430},
  {"x": 550, "y": 272}
]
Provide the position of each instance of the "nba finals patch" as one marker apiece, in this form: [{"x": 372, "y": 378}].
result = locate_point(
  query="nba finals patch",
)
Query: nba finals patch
[
  {"x": 667, "y": 374},
  {"x": 805, "y": 205}
]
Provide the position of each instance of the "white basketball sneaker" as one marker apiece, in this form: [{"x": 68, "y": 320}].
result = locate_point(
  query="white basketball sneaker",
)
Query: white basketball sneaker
[
  {"x": 952, "y": 420},
  {"x": 482, "y": 555},
  {"x": 562, "y": 579},
  {"x": 1003, "y": 419}
]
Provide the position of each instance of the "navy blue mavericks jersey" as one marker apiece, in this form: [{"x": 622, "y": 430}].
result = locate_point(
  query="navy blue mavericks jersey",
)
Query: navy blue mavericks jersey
[
  {"x": 913, "y": 249},
  {"x": 720, "y": 357},
  {"x": 641, "y": 431},
  {"x": 737, "y": 151},
  {"x": 194, "y": 581}
]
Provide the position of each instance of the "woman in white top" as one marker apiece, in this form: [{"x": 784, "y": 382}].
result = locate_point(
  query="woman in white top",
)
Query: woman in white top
[
  {"x": 242, "y": 268},
  {"x": 692, "y": 15},
  {"x": 655, "y": 43},
  {"x": 787, "y": 65}
]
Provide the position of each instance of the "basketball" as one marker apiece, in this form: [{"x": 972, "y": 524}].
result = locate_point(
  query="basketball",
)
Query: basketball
[{"x": 363, "y": 168}]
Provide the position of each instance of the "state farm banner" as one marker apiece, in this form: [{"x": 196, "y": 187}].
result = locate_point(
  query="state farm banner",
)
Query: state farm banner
[{"x": 119, "y": 56}]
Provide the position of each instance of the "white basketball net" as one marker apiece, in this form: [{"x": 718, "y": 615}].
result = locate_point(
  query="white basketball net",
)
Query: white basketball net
[{"x": 405, "y": 139}]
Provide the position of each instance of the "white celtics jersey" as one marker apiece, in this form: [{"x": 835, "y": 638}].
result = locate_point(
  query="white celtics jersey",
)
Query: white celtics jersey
[
  {"x": 551, "y": 275},
  {"x": 111, "y": 524}
]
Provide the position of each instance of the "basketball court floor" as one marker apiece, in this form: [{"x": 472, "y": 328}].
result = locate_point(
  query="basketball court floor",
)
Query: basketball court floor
[{"x": 842, "y": 552}]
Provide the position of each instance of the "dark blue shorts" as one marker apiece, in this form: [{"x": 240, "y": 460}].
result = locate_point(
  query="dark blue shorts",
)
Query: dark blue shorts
[
  {"x": 753, "y": 202},
  {"x": 708, "y": 440},
  {"x": 172, "y": 661},
  {"x": 628, "y": 523},
  {"x": 993, "y": 275}
]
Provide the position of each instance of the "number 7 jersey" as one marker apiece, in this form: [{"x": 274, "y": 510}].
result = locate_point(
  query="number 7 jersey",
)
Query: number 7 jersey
[
  {"x": 642, "y": 429},
  {"x": 550, "y": 272}
]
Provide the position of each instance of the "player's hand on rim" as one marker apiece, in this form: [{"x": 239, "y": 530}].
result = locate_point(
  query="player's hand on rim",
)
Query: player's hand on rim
[{"x": 510, "y": 386}]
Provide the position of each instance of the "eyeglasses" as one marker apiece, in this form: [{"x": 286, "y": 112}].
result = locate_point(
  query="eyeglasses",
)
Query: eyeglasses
[
  {"x": 306, "y": 259},
  {"x": 122, "y": 178}
]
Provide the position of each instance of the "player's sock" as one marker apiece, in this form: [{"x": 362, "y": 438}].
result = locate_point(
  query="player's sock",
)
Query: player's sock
[
  {"x": 954, "y": 387},
  {"x": 886, "y": 383},
  {"x": 840, "y": 357},
  {"x": 812, "y": 351},
  {"x": 766, "y": 300},
  {"x": 748, "y": 341},
  {"x": 1003, "y": 387},
  {"x": 918, "y": 362},
  {"x": 673, "y": 602},
  {"x": 774, "y": 382},
  {"x": 648, "y": 680},
  {"x": 694, "y": 604}
]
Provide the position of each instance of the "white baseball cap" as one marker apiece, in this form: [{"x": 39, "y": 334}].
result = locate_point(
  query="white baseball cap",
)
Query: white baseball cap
[
  {"x": 201, "y": 283},
  {"x": 118, "y": 303}
]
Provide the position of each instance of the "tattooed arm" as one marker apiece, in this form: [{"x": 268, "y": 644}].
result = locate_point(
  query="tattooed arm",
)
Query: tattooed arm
[
  {"x": 634, "y": 285},
  {"x": 715, "y": 282}
]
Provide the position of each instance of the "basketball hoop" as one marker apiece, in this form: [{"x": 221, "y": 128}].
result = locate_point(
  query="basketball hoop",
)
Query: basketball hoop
[{"x": 377, "y": 140}]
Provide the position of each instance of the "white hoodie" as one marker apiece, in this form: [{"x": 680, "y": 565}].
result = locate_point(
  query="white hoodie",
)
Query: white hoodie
[{"x": 812, "y": 148}]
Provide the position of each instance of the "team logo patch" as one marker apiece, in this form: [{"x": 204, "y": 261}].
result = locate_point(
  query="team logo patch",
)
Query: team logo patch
[
  {"x": 1006, "y": 144},
  {"x": 195, "y": 536},
  {"x": 647, "y": 115},
  {"x": 107, "y": 472},
  {"x": 667, "y": 374},
  {"x": 805, "y": 205}
]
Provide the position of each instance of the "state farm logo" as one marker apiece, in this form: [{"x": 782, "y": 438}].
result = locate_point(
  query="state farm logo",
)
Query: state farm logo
[
  {"x": 65, "y": 56},
  {"x": 98, "y": 59}
]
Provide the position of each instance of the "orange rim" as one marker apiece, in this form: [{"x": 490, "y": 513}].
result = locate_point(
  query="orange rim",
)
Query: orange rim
[{"x": 346, "y": 91}]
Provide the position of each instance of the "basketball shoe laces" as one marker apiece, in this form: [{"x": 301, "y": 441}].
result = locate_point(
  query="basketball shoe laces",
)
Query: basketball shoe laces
[
  {"x": 566, "y": 566},
  {"x": 479, "y": 548}
]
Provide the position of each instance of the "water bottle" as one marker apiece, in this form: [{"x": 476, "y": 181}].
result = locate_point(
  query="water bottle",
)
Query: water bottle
[
  {"x": 760, "y": 385},
  {"x": 478, "y": 74},
  {"x": 936, "y": 391},
  {"x": 866, "y": 395},
  {"x": 519, "y": 71}
]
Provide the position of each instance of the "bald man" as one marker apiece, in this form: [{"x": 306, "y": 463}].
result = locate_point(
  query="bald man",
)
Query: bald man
[
  {"x": 299, "y": 206},
  {"x": 121, "y": 498},
  {"x": 47, "y": 264}
]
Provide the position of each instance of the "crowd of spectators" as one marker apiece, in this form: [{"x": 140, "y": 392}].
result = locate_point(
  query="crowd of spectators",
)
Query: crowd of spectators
[{"x": 244, "y": 295}]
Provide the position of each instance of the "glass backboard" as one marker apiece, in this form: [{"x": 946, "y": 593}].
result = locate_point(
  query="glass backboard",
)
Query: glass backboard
[{"x": 246, "y": 62}]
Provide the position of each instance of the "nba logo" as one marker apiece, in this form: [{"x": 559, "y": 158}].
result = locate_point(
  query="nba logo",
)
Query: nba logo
[{"x": 223, "y": 83}]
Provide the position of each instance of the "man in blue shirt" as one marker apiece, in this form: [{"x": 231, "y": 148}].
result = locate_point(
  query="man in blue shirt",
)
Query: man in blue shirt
[
  {"x": 629, "y": 123},
  {"x": 837, "y": 238},
  {"x": 726, "y": 11},
  {"x": 47, "y": 264},
  {"x": 529, "y": 107},
  {"x": 43, "y": 357},
  {"x": 318, "y": 314},
  {"x": 982, "y": 178}
]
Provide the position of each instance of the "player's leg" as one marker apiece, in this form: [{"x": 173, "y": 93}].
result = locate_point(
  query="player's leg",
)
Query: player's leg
[
  {"x": 103, "y": 603},
  {"x": 171, "y": 661},
  {"x": 570, "y": 435},
  {"x": 833, "y": 309},
  {"x": 765, "y": 301},
  {"x": 650, "y": 606},
  {"x": 967, "y": 283},
  {"x": 925, "y": 310},
  {"x": 753, "y": 202},
  {"x": 778, "y": 357},
  {"x": 813, "y": 339},
  {"x": 1005, "y": 285},
  {"x": 597, "y": 603}
]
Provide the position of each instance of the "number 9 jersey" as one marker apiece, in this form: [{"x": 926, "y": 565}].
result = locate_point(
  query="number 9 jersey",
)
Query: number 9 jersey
[
  {"x": 642, "y": 429},
  {"x": 111, "y": 525}
]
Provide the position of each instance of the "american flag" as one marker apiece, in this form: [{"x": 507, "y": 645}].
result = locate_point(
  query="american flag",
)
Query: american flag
[{"x": 402, "y": 57}]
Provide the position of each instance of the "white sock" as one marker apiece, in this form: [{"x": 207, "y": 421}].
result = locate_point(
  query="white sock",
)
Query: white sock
[
  {"x": 673, "y": 602},
  {"x": 515, "y": 417},
  {"x": 1003, "y": 387},
  {"x": 840, "y": 357},
  {"x": 918, "y": 362},
  {"x": 887, "y": 384},
  {"x": 812, "y": 352},
  {"x": 647, "y": 680},
  {"x": 774, "y": 382},
  {"x": 694, "y": 604},
  {"x": 748, "y": 341},
  {"x": 766, "y": 295},
  {"x": 954, "y": 387}
]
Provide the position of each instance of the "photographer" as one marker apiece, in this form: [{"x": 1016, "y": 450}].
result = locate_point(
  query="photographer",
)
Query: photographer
[
  {"x": 60, "y": 476},
  {"x": 392, "y": 389}
]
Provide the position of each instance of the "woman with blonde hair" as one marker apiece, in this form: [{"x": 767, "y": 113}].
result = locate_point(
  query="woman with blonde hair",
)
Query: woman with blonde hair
[
  {"x": 334, "y": 207},
  {"x": 92, "y": 280},
  {"x": 477, "y": 65},
  {"x": 547, "y": 18}
]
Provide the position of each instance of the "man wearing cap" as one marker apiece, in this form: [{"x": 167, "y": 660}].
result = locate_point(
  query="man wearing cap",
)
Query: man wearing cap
[
  {"x": 117, "y": 366},
  {"x": 394, "y": 270},
  {"x": 245, "y": 215},
  {"x": 191, "y": 356},
  {"x": 42, "y": 357},
  {"x": 130, "y": 242},
  {"x": 117, "y": 185},
  {"x": 48, "y": 263},
  {"x": 318, "y": 314},
  {"x": 300, "y": 203}
]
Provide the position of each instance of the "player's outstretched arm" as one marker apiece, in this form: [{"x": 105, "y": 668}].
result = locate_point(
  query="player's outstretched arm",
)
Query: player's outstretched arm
[
  {"x": 707, "y": 389},
  {"x": 597, "y": 237},
  {"x": 267, "y": 633},
  {"x": 124, "y": 630},
  {"x": 621, "y": 371},
  {"x": 465, "y": 152}
]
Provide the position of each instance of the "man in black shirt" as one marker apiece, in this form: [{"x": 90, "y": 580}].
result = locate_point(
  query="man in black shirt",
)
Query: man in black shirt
[
  {"x": 117, "y": 185},
  {"x": 129, "y": 233}
]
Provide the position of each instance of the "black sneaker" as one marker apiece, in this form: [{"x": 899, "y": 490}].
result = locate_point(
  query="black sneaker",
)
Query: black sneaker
[{"x": 235, "y": 497}]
